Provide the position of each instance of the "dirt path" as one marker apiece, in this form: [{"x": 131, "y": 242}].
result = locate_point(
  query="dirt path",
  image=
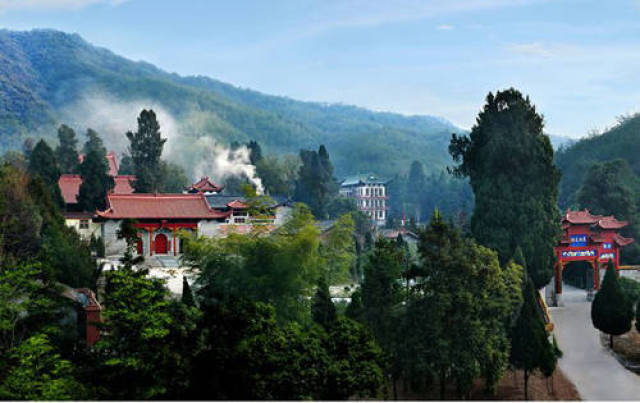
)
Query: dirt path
[{"x": 594, "y": 371}]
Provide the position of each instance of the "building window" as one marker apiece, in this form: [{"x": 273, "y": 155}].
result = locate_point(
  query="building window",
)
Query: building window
[
  {"x": 84, "y": 224},
  {"x": 240, "y": 220}
]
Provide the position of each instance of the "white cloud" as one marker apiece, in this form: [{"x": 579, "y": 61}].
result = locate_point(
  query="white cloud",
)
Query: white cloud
[
  {"x": 53, "y": 4},
  {"x": 444, "y": 27},
  {"x": 536, "y": 49}
]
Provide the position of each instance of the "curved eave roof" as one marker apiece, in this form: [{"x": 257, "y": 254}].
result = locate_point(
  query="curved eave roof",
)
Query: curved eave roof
[{"x": 159, "y": 206}]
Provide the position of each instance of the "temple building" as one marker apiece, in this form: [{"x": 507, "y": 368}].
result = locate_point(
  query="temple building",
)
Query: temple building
[
  {"x": 204, "y": 185},
  {"x": 370, "y": 195},
  {"x": 161, "y": 218},
  {"x": 69, "y": 185}
]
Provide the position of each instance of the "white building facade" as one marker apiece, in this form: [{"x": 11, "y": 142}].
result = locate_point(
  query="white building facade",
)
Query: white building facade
[{"x": 370, "y": 195}]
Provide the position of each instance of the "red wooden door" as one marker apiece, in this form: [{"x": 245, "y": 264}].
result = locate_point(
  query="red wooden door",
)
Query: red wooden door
[
  {"x": 161, "y": 244},
  {"x": 139, "y": 246}
]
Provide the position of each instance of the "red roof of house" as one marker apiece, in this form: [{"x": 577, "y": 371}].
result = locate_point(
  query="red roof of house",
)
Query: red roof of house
[
  {"x": 123, "y": 184},
  {"x": 581, "y": 217},
  {"x": 70, "y": 186},
  {"x": 112, "y": 159},
  {"x": 113, "y": 163},
  {"x": 610, "y": 222},
  {"x": 159, "y": 206},
  {"x": 237, "y": 204},
  {"x": 622, "y": 241},
  {"x": 206, "y": 185}
]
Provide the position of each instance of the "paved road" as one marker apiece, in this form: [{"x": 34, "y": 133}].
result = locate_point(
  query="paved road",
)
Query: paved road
[{"x": 594, "y": 371}]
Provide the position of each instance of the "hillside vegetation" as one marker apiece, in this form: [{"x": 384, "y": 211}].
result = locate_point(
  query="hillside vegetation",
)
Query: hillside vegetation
[
  {"x": 43, "y": 73},
  {"x": 620, "y": 142}
]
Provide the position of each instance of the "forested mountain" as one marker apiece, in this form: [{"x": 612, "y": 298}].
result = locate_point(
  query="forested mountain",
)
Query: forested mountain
[
  {"x": 45, "y": 73},
  {"x": 621, "y": 141}
]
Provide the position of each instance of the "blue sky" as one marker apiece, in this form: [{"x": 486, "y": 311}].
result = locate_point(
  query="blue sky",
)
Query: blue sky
[{"x": 579, "y": 60}]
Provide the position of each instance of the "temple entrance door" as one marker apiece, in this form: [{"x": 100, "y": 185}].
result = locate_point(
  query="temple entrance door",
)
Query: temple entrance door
[
  {"x": 161, "y": 244},
  {"x": 139, "y": 246}
]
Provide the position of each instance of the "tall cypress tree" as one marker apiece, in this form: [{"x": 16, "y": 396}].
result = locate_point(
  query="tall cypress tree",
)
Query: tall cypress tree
[
  {"x": 96, "y": 182},
  {"x": 530, "y": 347},
  {"x": 509, "y": 162},
  {"x": 94, "y": 142},
  {"x": 187, "y": 294},
  {"x": 315, "y": 185},
  {"x": 42, "y": 163},
  {"x": 66, "y": 153},
  {"x": 611, "y": 311},
  {"x": 322, "y": 308},
  {"x": 145, "y": 150}
]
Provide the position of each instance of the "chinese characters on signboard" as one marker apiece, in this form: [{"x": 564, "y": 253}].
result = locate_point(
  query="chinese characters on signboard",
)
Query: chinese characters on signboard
[
  {"x": 579, "y": 240},
  {"x": 579, "y": 253}
]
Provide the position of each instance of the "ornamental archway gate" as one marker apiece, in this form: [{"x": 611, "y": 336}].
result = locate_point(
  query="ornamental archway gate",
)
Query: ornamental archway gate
[{"x": 588, "y": 238}]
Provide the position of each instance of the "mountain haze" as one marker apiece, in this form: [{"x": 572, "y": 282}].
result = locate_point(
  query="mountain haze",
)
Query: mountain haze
[{"x": 49, "y": 77}]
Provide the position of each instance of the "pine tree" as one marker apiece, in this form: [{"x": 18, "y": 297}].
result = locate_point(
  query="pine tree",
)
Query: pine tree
[
  {"x": 255, "y": 152},
  {"x": 94, "y": 143},
  {"x": 187, "y": 294},
  {"x": 322, "y": 308},
  {"x": 146, "y": 150},
  {"x": 530, "y": 347},
  {"x": 96, "y": 181},
  {"x": 416, "y": 184},
  {"x": 611, "y": 311},
  {"x": 42, "y": 163},
  {"x": 509, "y": 162},
  {"x": 66, "y": 153}
]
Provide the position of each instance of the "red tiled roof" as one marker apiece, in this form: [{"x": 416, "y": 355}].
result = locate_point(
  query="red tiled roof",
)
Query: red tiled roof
[
  {"x": 123, "y": 184},
  {"x": 237, "y": 204},
  {"x": 149, "y": 205},
  {"x": 581, "y": 217},
  {"x": 206, "y": 185},
  {"x": 610, "y": 222},
  {"x": 113, "y": 163},
  {"x": 112, "y": 159},
  {"x": 622, "y": 241},
  {"x": 69, "y": 187}
]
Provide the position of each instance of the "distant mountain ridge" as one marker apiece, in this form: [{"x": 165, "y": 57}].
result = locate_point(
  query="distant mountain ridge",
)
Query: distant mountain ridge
[{"x": 44, "y": 74}]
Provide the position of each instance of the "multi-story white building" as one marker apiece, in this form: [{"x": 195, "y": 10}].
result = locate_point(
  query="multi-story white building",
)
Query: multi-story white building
[{"x": 370, "y": 195}]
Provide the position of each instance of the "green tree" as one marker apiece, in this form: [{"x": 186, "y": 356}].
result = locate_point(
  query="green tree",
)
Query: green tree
[
  {"x": 187, "y": 294},
  {"x": 134, "y": 351},
  {"x": 255, "y": 152},
  {"x": 280, "y": 269},
  {"x": 611, "y": 188},
  {"x": 381, "y": 290},
  {"x": 174, "y": 179},
  {"x": 145, "y": 150},
  {"x": 96, "y": 182},
  {"x": 323, "y": 311},
  {"x": 94, "y": 143},
  {"x": 338, "y": 250},
  {"x": 456, "y": 326},
  {"x": 509, "y": 162},
  {"x": 39, "y": 373},
  {"x": 530, "y": 347},
  {"x": 611, "y": 311},
  {"x": 315, "y": 185},
  {"x": 416, "y": 186},
  {"x": 67, "y": 153},
  {"x": 43, "y": 163}
]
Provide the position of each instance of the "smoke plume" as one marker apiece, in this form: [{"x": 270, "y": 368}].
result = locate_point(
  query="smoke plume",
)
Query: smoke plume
[{"x": 199, "y": 156}]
